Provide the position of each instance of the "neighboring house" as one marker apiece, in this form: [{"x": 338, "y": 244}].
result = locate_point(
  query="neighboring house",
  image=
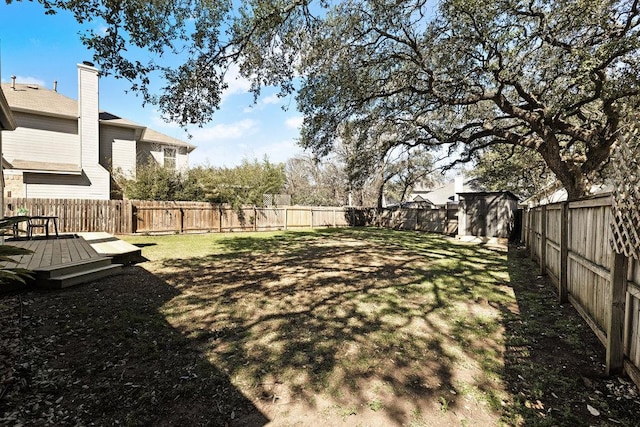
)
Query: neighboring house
[
  {"x": 419, "y": 202},
  {"x": 556, "y": 193},
  {"x": 416, "y": 203},
  {"x": 63, "y": 148},
  {"x": 440, "y": 196}
]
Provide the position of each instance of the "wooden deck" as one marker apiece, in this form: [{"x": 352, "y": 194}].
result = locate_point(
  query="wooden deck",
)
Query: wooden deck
[
  {"x": 51, "y": 252},
  {"x": 67, "y": 261}
]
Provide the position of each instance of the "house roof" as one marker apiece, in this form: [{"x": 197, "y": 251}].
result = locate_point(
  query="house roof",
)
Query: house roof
[
  {"x": 45, "y": 167},
  {"x": 150, "y": 135},
  {"x": 39, "y": 100},
  {"x": 111, "y": 119},
  {"x": 7, "y": 121},
  {"x": 445, "y": 193},
  {"x": 419, "y": 198},
  {"x": 36, "y": 99},
  {"x": 555, "y": 193}
]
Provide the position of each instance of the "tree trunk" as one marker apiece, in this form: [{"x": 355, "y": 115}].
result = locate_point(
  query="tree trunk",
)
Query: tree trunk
[
  {"x": 405, "y": 188},
  {"x": 570, "y": 175},
  {"x": 380, "y": 195},
  {"x": 573, "y": 181}
]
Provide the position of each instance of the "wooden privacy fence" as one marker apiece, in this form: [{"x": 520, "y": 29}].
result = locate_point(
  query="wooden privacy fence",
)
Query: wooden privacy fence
[
  {"x": 78, "y": 215},
  {"x": 571, "y": 243},
  {"x": 135, "y": 216},
  {"x": 443, "y": 220},
  {"x": 197, "y": 216}
]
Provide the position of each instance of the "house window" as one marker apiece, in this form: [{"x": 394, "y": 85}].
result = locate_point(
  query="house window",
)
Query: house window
[{"x": 169, "y": 158}]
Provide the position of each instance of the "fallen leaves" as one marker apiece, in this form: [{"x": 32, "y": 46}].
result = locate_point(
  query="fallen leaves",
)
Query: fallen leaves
[
  {"x": 108, "y": 357},
  {"x": 593, "y": 411},
  {"x": 10, "y": 319}
]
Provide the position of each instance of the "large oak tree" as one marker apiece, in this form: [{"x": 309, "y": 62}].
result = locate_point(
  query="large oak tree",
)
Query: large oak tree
[{"x": 551, "y": 76}]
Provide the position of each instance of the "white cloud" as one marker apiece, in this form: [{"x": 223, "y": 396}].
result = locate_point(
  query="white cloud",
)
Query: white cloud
[
  {"x": 232, "y": 154},
  {"x": 237, "y": 84},
  {"x": 102, "y": 30},
  {"x": 227, "y": 131},
  {"x": 294, "y": 122},
  {"x": 272, "y": 99},
  {"x": 278, "y": 152},
  {"x": 262, "y": 104},
  {"x": 157, "y": 122}
]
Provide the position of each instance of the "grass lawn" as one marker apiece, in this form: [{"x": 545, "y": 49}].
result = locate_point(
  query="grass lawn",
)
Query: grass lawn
[{"x": 345, "y": 327}]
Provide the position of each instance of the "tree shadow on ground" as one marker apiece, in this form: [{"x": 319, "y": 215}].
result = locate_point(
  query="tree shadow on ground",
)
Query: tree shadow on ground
[
  {"x": 103, "y": 354},
  {"x": 364, "y": 326},
  {"x": 370, "y": 320},
  {"x": 553, "y": 362}
]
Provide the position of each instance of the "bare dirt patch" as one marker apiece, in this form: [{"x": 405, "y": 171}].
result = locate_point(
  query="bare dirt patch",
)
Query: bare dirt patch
[{"x": 343, "y": 327}]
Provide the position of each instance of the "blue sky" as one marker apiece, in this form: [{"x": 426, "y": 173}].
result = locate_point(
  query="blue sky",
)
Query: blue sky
[{"x": 39, "y": 48}]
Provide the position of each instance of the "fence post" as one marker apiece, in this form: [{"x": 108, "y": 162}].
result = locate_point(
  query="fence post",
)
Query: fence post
[
  {"x": 134, "y": 218},
  {"x": 255, "y": 218},
  {"x": 286, "y": 218},
  {"x": 181, "y": 220},
  {"x": 543, "y": 241},
  {"x": 615, "y": 313},
  {"x": 563, "y": 294},
  {"x": 532, "y": 232},
  {"x": 445, "y": 221},
  {"x": 524, "y": 234}
]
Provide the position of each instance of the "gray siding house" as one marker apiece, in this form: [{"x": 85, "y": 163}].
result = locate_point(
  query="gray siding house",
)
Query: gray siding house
[
  {"x": 443, "y": 194},
  {"x": 63, "y": 148},
  {"x": 7, "y": 123}
]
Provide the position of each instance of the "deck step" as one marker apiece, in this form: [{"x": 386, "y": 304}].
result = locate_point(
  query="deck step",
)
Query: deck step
[
  {"x": 106, "y": 244},
  {"x": 78, "y": 277},
  {"x": 74, "y": 273},
  {"x": 51, "y": 271}
]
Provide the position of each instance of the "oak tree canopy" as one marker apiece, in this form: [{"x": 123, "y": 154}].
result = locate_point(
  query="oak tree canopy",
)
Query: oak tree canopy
[{"x": 551, "y": 76}]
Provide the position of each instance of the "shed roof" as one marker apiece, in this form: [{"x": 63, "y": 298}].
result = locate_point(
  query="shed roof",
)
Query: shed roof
[{"x": 488, "y": 193}]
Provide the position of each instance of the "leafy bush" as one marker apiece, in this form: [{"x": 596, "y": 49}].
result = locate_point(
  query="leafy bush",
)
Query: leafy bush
[
  {"x": 244, "y": 184},
  {"x": 9, "y": 275}
]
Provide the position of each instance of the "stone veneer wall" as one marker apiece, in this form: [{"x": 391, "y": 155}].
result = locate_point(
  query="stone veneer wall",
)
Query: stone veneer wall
[{"x": 13, "y": 184}]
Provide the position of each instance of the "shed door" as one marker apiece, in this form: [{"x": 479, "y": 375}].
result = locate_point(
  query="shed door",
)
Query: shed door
[{"x": 477, "y": 217}]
